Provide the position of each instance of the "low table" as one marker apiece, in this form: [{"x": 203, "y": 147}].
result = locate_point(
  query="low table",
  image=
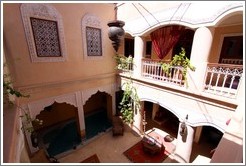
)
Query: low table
[{"x": 151, "y": 145}]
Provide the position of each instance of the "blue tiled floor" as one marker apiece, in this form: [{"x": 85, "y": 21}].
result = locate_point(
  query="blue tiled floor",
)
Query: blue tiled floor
[
  {"x": 96, "y": 123},
  {"x": 64, "y": 139}
]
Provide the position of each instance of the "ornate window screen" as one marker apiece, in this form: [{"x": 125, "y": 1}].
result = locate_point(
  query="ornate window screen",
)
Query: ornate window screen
[
  {"x": 92, "y": 37},
  {"x": 44, "y": 32},
  {"x": 46, "y": 37},
  {"x": 93, "y": 40}
]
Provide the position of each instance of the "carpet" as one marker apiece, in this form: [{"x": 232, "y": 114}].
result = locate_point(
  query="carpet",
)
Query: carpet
[
  {"x": 91, "y": 159},
  {"x": 136, "y": 153}
]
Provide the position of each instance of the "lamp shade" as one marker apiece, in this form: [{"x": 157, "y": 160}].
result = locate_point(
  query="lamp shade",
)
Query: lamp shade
[{"x": 116, "y": 32}]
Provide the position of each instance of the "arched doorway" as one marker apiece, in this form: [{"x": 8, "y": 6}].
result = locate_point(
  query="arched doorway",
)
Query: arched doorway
[
  {"x": 98, "y": 114},
  {"x": 60, "y": 130},
  {"x": 160, "y": 117},
  {"x": 209, "y": 140}
]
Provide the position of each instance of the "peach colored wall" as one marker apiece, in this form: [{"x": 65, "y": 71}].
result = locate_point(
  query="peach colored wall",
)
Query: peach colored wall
[
  {"x": 217, "y": 39},
  {"x": 43, "y": 74}
]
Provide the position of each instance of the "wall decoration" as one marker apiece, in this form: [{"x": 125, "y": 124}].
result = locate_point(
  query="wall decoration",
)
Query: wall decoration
[
  {"x": 44, "y": 32},
  {"x": 92, "y": 37},
  {"x": 93, "y": 40}
]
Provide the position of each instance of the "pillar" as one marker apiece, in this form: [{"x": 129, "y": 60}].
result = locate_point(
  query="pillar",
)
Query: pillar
[
  {"x": 139, "y": 44},
  {"x": 202, "y": 43},
  {"x": 138, "y": 119},
  {"x": 154, "y": 110},
  {"x": 184, "y": 145},
  {"x": 231, "y": 146},
  {"x": 198, "y": 134}
]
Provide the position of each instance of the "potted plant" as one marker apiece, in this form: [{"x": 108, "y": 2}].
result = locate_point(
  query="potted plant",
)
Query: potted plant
[
  {"x": 123, "y": 63},
  {"x": 130, "y": 101},
  {"x": 179, "y": 60}
]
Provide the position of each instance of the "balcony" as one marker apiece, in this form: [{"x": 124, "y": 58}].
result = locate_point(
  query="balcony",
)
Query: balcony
[
  {"x": 223, "y": 79},
  {"x": 220, "y": 79},
  {"x": 151, "y": 69}
]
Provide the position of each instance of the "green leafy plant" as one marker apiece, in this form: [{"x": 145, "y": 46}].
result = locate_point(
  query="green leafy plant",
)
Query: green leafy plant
[
  {"x": 28, "y": 121},
  {"x": 179, "y": 60},
  {"x": 9, "y": 90},
  {"x": 130, "y": 101},
  {"x": 123, "y": 63},
  {"x": 7, "y": 87}
]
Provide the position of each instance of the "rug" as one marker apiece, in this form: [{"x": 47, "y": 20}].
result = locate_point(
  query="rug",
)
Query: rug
[
  {"x": 91, "y": 159},
  {"x": 136, "y": 153}
]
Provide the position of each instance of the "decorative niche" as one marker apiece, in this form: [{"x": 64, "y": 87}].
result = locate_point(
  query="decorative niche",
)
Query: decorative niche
[
  {"x": 44, "y": 32},
  {"x": 92, "y": 37}
]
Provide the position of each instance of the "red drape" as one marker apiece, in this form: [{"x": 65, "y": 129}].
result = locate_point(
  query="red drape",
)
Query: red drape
[{"x": 165, "y": 38}]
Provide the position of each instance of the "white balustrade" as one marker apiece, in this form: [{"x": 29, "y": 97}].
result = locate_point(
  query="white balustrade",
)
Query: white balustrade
[
  {"x": 152, "y": 69},
  {"x": 223, "y": 79},
  {"x": 220, "y": 79}
]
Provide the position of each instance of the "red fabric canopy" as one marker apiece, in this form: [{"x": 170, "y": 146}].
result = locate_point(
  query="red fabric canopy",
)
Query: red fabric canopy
[{"x": 165, "y": 38}]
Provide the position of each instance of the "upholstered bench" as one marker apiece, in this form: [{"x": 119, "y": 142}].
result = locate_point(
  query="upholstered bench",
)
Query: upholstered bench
[{"x": 151, "y": 145}]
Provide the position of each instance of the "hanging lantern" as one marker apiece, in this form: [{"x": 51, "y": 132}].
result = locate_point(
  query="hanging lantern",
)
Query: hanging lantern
[
  {"x": 183, "y": 127},
  {"x": 116, "y": 32}
]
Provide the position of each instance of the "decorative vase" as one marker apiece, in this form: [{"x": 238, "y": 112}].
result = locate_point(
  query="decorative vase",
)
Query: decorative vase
[{"x": 116, "y": 32}]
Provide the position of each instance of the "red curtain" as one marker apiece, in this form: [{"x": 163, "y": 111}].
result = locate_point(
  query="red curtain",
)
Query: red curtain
[{"x": 165, "y": 38}]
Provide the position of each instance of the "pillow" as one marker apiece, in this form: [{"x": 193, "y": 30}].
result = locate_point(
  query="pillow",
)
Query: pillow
[{"x": 168, "y": 138}]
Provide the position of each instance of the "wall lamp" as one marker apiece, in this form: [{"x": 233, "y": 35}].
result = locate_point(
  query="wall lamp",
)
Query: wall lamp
[{"x": 183, "y": 127}]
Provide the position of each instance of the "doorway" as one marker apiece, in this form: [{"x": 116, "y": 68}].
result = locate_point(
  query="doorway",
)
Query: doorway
[{"x": 98, "y": 113}]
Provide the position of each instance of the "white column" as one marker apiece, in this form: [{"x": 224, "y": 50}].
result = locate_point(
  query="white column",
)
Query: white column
[
  {"x": 202, "y": 43},
  {"x": 230, "y": 147},
  {"x": 184, "y": 145},
  {"x": 138, "y": 119},
  {"x": 139, "y": 44}
]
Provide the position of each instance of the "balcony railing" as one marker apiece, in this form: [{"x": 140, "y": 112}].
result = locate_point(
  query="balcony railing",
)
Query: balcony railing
[
  {"x": 220, "y": 79},
  {"x": 152, "y": 69},
  {"x": 223, "y": 79},
  {"x": 128, "y": 68}
]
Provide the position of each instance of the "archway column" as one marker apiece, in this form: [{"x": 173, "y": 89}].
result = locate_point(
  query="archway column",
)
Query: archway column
[
  {"x": 184, "y": 145},
  {"x": 138, "y": 119},
  {"x": 139, "y": 47},
  {"x": 202, "y": 43}
]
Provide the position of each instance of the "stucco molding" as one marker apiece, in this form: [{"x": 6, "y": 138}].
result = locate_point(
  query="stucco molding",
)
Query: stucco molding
[
  {"x": 193, "y": 15},
  {"x": 86, "y": 94},
  {"x": 201, "y": 113},
  {"x": 46, "y": 12},
  {"x": 34, "y": 108}
]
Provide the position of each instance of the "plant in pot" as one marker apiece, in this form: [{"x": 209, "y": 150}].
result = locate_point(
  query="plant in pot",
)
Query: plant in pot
[
  {"x": 179, "y": 60},
  {"x": 123, "y": 63},
  {"x": 130, "y": 102}
]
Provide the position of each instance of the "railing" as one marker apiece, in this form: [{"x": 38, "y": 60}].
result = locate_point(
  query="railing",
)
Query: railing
[
  {"x": 125, "y": 64},
  {"x": 232, "y": 61},
  {"x": 152, "y": 69},
  {"x": 223, "y": 79},
  {"x": 128, "y": 67}
]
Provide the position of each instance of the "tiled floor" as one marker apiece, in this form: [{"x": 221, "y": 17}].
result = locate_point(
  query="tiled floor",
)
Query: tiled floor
[{"x": 109, "y": 149}]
